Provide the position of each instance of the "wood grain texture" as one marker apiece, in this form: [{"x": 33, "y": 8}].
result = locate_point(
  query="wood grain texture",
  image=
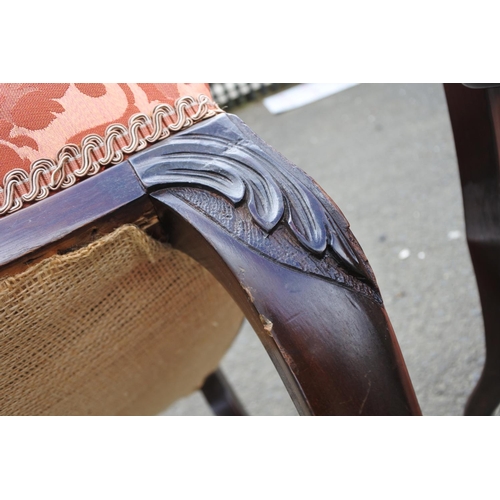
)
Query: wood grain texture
[
  {"x": 475, "y": 119},
  {"x": 285, "y": 252}
]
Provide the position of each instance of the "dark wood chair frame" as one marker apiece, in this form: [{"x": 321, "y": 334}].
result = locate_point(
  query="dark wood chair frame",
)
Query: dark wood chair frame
[
  {"x": 475, "y": 118},
  {"x": 270, "y": 235}
]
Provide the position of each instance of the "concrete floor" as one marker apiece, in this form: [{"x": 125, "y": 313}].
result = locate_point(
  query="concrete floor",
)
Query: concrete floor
[{"x": 385, "y": 154}]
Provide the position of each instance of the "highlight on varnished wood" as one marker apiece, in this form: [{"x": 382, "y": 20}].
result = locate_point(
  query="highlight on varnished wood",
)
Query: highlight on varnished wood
[
  {"x": 475, "y": 120},
  {"x": 285, "y": 252}
]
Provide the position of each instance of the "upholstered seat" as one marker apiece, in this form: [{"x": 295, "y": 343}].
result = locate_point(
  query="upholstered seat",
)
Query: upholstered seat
[
  {"x": 124, "y": 324},
  {"x": 102, "y": 316},
  {"x": 52, "y": 135}
]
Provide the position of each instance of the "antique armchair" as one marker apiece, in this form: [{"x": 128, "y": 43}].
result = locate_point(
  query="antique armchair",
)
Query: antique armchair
[{"x": 138, "y": 223}]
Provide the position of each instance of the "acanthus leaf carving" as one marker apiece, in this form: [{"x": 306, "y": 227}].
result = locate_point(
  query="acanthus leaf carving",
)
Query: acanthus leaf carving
[{"x": 224, "y": 156}]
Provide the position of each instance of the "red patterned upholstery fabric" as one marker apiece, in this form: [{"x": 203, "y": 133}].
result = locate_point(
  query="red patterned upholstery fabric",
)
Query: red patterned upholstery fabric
[{"x": 38, "y": 120}]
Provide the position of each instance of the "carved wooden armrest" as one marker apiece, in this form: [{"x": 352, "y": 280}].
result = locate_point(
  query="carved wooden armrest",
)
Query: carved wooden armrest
[
  {"x": 268, "y": 233},
  {"x": 285, "y": 253}
]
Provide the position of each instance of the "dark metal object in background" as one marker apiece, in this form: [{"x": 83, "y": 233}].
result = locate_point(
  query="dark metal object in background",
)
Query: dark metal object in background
[{"x": 230, "y": 95}]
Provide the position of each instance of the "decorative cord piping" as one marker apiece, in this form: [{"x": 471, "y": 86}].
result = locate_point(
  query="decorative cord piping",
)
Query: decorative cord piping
[{"x": 47, "y": 175}]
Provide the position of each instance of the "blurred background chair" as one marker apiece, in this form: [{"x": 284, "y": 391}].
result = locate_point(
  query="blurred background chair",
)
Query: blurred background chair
[{"x": 475, "y": 119}]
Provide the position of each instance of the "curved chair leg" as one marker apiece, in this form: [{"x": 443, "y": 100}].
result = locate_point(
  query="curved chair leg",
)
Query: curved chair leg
[
  {"x": 475, "y": 119},
  {"x": 221, "y": 397},
  {"x": 284, "y": 251}
]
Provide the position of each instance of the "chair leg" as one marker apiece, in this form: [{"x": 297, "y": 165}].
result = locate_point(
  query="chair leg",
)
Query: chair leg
[
  {"x": 475, "y": 119},
  {"x": 284, "y": 251},
  {"x": 221, "y": 397}
]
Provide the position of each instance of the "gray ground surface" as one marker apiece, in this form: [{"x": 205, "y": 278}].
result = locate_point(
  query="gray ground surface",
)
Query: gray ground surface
[{"x": 385, "y": 154}]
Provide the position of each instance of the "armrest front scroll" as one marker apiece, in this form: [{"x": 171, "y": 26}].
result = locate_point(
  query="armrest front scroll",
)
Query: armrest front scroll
[{"x": 284, "y": 251}]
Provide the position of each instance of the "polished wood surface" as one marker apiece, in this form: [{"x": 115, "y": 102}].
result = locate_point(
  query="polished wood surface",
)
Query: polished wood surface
[
  {"x": 284, "y": 252},
  {"x": 475, "y": 119},
  {"x": 270, "y": 235}
]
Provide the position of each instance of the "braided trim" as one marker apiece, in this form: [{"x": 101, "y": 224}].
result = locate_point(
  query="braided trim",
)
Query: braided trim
[{"x": 96, "y": 152}]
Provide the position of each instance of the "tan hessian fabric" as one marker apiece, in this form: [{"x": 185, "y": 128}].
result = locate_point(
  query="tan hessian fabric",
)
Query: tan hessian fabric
[{"x": 122, "y": 326}]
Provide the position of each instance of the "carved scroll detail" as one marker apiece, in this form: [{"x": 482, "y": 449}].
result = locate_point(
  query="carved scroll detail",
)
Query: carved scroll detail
[{"x": 223, "y": 156}]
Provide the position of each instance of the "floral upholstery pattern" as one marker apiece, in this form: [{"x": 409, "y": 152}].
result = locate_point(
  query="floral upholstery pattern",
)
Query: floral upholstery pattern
[{"x": 37, "y": 120}]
